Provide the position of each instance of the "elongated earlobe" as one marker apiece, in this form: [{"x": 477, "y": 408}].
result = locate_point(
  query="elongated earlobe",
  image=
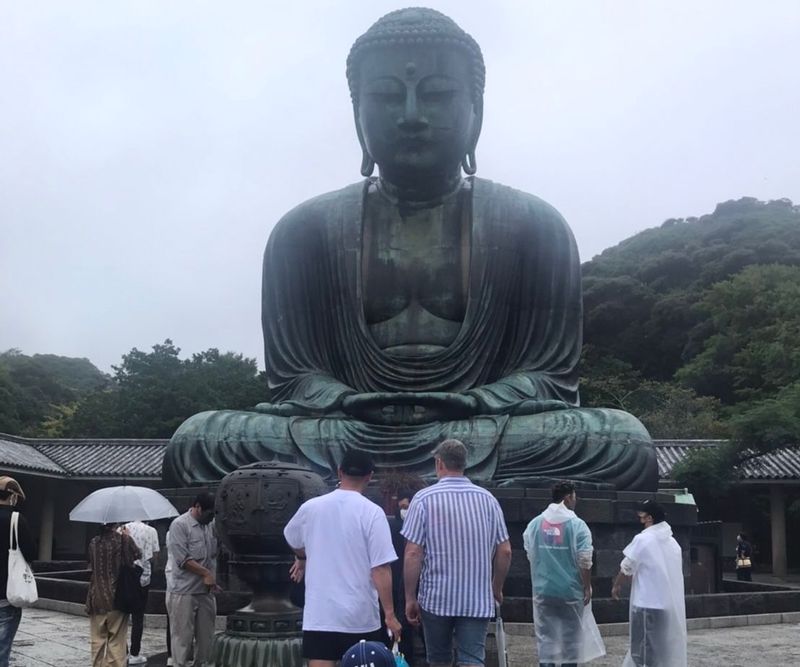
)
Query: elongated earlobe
[
  {"x": 367, "y": 164},
  {"x": 468, "y": 164}
]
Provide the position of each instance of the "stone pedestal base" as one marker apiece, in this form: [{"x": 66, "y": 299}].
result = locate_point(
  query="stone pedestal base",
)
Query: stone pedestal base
[
  {"x": 253, "y": 639},
  {"x": 232, "y": 651}
]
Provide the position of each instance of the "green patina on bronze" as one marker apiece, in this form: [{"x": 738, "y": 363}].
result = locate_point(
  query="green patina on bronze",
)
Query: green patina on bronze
[{"x": 421, "y": 305}]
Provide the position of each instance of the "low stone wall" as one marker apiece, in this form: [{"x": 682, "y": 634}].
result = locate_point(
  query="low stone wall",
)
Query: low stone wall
[
  {"x": 607, "y": 610},
  {"x": 73, "y": 585}
]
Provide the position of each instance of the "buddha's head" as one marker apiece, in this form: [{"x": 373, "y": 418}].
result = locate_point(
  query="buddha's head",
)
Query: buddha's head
[{"x": 416, "y": 80}]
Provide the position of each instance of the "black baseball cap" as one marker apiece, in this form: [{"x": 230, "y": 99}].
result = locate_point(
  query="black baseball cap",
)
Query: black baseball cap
[
  {"x": 652, "y": 508},
  {"x": 356, "y": 463}
]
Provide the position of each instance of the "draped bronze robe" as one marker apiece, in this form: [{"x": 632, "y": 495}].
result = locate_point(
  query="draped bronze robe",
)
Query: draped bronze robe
[{"x": 516, "y": 352}]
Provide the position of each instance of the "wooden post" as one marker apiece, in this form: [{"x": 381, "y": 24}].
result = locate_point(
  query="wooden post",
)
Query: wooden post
[
  {"x": 46, "y": 527},
  {"x": 777, "y": 516}
]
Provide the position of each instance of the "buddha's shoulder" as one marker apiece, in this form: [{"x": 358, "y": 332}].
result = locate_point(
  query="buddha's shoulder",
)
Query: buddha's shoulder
[
  {"x": 516, "y": 205},
  {"x": 320, "y": 211}
]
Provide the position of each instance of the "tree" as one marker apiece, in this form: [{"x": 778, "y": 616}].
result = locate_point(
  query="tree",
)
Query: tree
[
  {"x": 34, "y": 388},
  {"x": 666, "y": 409},
  {"x": 641, "y": 295},
  {"x": 752, "y": 344},
  {"x": 152, "y": 393},
  {"x": 763, "y": 427}
]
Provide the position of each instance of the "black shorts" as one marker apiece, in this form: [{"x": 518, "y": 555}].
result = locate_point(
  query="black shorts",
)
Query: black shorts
[{"x": 320, "y": 645}]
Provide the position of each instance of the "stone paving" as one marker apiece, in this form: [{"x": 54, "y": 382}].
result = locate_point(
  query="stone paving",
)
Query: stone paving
[{"x": 54, "y": 639}]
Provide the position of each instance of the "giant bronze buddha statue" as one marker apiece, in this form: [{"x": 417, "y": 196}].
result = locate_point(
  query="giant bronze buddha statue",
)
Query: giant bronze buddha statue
[{"x": 420, "y": 304}]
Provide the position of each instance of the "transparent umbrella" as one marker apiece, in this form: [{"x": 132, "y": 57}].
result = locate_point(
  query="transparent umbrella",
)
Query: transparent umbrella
[{"x": 120, "y": 504}]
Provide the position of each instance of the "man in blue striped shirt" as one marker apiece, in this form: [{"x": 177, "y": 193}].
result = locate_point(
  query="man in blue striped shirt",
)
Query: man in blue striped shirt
[{"x": 459, "y": 554}]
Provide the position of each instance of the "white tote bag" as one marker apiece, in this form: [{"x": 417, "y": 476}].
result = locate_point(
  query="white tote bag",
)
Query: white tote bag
[{"x": 21, "y": 588}]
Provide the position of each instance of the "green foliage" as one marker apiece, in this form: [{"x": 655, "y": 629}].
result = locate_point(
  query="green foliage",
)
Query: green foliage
[
  {"x": 760, "y": 428},
  {"x": 640, "y": 295},
  {"x": 33, "y": 389},
  {"x": 708, "y": 472},
  {"x": 153, "y": 392},
  {"x": 667, "y": 410},
  {"x": 752, "y": 344},
  {"x": 695, "y": 328},
  {"x": 769, "y": 424}
]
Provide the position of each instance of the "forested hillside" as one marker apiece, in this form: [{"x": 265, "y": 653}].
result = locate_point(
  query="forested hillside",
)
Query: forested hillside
[
  {"x": 696, "y": 324},
  {"x": 641, "y": 297},
  {"x": 33, "y": 389}
]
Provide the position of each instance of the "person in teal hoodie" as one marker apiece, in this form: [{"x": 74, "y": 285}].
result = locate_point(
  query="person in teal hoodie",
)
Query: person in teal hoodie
[{"x": 559, "y": 548}]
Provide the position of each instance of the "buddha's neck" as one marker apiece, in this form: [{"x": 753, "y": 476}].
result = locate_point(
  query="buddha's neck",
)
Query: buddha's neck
[{"x": 422, "y": 195}]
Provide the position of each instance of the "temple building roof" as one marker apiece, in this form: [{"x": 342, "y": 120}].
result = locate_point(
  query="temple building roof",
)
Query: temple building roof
[
  {"x": 85, "y": 458},
  {"x": 783, "y": 465}
]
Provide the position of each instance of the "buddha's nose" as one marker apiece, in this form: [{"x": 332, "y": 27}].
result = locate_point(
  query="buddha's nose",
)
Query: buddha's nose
[{"x": 412, "y": 120}]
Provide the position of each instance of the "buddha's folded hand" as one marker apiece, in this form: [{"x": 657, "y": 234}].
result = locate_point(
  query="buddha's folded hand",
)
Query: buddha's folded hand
[
  {"x": 409, "y": 408},
  {"x": 285, "y": 409}
]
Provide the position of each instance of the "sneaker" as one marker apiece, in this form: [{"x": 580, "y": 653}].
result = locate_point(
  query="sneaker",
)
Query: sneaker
[
  {"x": 169, "y": 661},
  {"x": 136, "y": 660}
]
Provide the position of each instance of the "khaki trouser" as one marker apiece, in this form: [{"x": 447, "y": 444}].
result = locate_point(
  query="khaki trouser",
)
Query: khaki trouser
[
  {"x": 109, "y": 634},
  {"x": 191, "y": 618}
]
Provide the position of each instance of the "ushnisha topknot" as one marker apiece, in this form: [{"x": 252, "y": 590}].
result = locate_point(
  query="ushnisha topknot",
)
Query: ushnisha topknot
[{"x": 416, "y": 25}]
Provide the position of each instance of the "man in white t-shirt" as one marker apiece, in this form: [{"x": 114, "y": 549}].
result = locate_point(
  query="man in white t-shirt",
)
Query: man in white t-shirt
[
  {"x": 146, "y": 538},
  {"x": 344, "y": 549}
]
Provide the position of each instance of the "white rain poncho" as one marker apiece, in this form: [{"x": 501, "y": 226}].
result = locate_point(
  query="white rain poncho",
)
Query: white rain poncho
[
  {"x": 658, "y": 608},
  {"x": 559, "y": 545}
]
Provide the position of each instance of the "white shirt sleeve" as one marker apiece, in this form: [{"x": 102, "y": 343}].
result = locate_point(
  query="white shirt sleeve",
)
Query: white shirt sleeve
[
  {"x": 379, "y": 541},
  {"x": 585, "y": 560},
  {"x": 627, "y": 567},
  {"x": 294, "y": 532}
]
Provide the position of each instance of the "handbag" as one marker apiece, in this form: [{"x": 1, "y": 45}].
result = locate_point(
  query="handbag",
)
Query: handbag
[
  {"x": 128, "y": 595},
  {"x": 21, "y": 588},
  {"x": 399, "y": 658}
]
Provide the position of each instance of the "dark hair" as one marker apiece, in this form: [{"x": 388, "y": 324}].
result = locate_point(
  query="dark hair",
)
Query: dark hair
[
  {"x": 205, "y": 500},
  {"x": 652, "y": 508},
  {"x": 5, "y": 495},
  {"x": 561, "y": 490},
  {"x": 416, "y": 25},
  {"x": 743, "y": 536},
  {"x": 453, "y": 455},
  {"x": 356, "y": 463}
]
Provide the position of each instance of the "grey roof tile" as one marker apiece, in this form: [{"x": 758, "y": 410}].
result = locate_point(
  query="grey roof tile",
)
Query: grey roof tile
[
  {"x": 85, "y": 457},
  {"x": 15, "y": 454},
  {"x": 780, "y": 465}
]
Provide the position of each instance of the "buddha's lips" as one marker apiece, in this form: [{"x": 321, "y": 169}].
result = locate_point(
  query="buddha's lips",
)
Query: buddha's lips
[{"x": 413, "y": 143}]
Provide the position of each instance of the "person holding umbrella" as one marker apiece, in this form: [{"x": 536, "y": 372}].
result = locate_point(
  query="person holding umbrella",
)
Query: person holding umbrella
[{"x": 108, "y": 551}]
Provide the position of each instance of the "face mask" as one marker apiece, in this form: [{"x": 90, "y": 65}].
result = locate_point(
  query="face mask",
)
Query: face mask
[{"x": 403, "y": 513}]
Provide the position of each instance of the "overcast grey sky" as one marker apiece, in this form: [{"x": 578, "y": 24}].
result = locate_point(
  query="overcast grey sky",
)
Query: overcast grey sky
[{"x": 147, "y": 148}]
